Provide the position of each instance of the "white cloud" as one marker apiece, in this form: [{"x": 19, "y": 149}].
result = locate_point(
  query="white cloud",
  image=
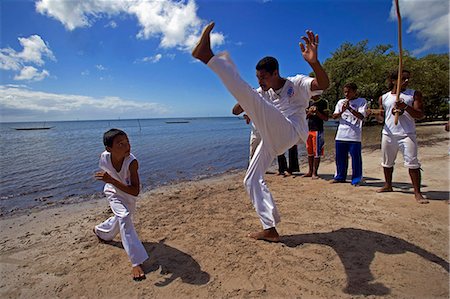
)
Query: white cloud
[
  {"x": 100, "y": 67},
  {"x": 429, "y": 19},
  {"x": 111, "y": 24},
  {"x": 151, "y": 59},
  {"x": 18, "y": 101},
  {"x": 31, "y": 74},
  {"x": 175, "y": 22},
  {"x": 34, "y": 51}
]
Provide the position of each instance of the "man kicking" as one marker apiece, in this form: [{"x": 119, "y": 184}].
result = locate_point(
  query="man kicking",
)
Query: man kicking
[{"x": 277, "y": 108}]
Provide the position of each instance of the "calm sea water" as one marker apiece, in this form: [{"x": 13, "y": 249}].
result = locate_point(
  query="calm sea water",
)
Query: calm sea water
[{"x": 45, "y": 167}]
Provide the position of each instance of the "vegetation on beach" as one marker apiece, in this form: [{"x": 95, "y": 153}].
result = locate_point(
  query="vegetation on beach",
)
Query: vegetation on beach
[{"x": 369, "y": 69}]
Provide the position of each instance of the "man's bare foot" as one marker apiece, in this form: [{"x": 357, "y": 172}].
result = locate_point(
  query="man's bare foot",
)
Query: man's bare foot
[
  {"x": 385, "y": 189},
  {"x": 270, "y": 235},
  {"x": 202, "y": 51},
  {"x": 138, "y": 273},
  {"x": 307, "y": 175},
  {"x": 315, "y": 177},
  {"x": 420, "y": 199}
]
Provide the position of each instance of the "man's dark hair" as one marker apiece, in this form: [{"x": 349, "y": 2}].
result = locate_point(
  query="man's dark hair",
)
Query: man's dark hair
[
  {"x": 351, "y": 86},
  {"x": 268, "y": 64},
  {"x": 108, "y": 137}
]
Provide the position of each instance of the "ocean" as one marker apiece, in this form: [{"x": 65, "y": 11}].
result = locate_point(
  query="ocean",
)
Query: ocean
[{"x": 42, "y": 168}]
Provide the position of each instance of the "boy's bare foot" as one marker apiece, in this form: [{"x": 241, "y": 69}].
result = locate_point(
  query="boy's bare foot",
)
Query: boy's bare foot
[
  {"x": 385, "y": 189},
  {"x": 307, "y": 175},
  {"x": 270, "y": 235},
  {"x": 202, "y": 51},
  {"x": 315, "y": 177},
  {"x": 138, "y": 273},
  {"x": 420, "y": 199}
]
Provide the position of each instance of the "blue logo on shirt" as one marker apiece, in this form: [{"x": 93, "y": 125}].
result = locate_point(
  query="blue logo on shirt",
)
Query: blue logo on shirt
[{"x": 290, "y": 92}]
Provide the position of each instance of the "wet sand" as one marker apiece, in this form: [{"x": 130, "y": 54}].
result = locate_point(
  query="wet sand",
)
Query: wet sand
[{"x": 338, "y": 241}]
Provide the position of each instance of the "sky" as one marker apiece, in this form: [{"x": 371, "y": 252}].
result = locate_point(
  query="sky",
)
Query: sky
[{"x": 96, "y": 59}]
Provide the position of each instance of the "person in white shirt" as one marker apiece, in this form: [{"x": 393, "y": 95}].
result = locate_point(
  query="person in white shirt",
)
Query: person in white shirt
[
  {"x": 277, "y": 109},
  {"x": 401, "y": 137},
  {"x": 119, "y": 170},
  {"x": 350, "y": 112}
]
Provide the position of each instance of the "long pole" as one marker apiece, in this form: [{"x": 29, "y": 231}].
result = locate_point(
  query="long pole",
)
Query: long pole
[{"x": 400, "y": 58}]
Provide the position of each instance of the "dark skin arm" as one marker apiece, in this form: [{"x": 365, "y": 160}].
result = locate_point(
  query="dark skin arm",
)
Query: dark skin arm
[
  {"x": 416, "y": 111},
  {"x": 346, "y": 106},
  {"x": 309, "y": 52},
  {"x": 132, "y": 189}
]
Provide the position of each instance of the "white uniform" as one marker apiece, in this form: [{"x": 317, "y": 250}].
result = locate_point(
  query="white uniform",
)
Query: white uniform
[
  {"x": 255, "y": 139},
  {"x": 281, "y": 122},
  {"x": 401, "y": 136},
  {"x": 123, "y": 206}
]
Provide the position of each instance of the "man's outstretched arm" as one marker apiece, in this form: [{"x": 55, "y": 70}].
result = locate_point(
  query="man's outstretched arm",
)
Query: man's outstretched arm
[{"x": 309, "y": 53}]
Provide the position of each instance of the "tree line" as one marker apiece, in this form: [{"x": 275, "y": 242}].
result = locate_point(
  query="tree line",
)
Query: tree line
[{"x": 370, "y": 68}]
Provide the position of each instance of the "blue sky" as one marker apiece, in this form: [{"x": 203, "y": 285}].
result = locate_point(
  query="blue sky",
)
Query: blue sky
[{"x": 92, "y": 59}]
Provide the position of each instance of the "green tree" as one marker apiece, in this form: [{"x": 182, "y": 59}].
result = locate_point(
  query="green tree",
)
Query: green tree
[{"x": 370, "y": 68}]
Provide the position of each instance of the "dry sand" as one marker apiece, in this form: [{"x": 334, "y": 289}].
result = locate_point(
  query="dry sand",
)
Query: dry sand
[{"x": 338, "y": 241}]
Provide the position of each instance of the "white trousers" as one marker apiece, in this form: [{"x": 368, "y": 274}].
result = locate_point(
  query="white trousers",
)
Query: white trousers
[
  {"x": 122, "y": 221},
  {"x": 407, "y": 145},
  {"x": 277, "y": 132}
]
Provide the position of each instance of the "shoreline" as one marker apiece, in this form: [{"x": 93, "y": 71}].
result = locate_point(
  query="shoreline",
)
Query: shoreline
[{"x": 338, "y": 241}]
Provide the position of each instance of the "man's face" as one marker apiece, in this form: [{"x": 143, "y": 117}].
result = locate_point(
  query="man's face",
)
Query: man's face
[
  {"x": 405, "y": 80},
  {"x": 349, "y": 93},
  {"x": 266, "y": 79}
]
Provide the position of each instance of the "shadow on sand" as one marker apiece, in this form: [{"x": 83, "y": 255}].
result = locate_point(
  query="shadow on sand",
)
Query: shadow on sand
[
  {"x": 172, "y": 262},
  {"x": 356, "y": 248}
]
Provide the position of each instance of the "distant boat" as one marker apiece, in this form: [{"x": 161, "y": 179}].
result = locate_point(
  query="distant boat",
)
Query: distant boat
[
  {"x": 177, "y": 122},
  {"x": 32, "y": 128}
]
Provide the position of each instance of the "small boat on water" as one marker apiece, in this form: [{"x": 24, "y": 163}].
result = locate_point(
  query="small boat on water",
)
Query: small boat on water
[
  {"x": 177, "y": 122},
  {"x": 32, "y": 128}
]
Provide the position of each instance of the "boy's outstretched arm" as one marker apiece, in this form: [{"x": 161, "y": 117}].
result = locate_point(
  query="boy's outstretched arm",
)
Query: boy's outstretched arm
[
  {"x": 132, "y": 189},
  {"x": 309, "y": 53}
]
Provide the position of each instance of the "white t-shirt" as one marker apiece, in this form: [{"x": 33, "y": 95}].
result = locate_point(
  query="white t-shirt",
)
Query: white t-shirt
[
  {"x": 292, "y": 100},
  {"x": 406, "y": 123},
  {"x": 123, "y": 176},
  {"x": 350, "y": 127}
]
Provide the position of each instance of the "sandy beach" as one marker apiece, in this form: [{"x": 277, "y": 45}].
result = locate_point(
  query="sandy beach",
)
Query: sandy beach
[{"x": 338, "y": 241}]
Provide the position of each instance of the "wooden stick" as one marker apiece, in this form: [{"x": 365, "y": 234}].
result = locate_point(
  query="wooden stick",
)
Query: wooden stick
[{"x": 400, "y": 60}]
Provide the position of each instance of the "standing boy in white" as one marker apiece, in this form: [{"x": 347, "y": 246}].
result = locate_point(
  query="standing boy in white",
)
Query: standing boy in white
[
  {"x": 120, "y": 173},
  {"x": 278, "y": 111}
]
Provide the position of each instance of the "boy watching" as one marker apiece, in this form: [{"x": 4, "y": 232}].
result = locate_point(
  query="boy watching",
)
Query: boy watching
[
  {"x": 316, "y": 114},
  {"x": 120, "y": 173}
]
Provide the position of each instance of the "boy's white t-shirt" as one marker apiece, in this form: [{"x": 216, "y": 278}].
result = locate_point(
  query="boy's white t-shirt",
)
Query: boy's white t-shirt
[
  {"x": 350, "y": 127},
  {"x": 123, "y": 176}
]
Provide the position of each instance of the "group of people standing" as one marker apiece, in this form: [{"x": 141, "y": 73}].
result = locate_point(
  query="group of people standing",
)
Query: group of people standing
[{"x": 279, "y": 112}]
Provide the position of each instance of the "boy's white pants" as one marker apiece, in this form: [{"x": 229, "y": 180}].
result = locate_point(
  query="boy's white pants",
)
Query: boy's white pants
[
  {"x": 277, "y": 132},
  {"x": 122, "y": 221}
]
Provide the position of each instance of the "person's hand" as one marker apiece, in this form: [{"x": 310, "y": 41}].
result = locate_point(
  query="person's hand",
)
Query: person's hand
[
  {"x": 345, "y": 105},
  {"x": 309, "y": 49},
  {"x": 313, "y": 110},
  {"x": 400, "y": 111},
  {"x": 247, "y": 119},
  {"x": 103, "y": 176},
  {"x": 401, "y": 104}
]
